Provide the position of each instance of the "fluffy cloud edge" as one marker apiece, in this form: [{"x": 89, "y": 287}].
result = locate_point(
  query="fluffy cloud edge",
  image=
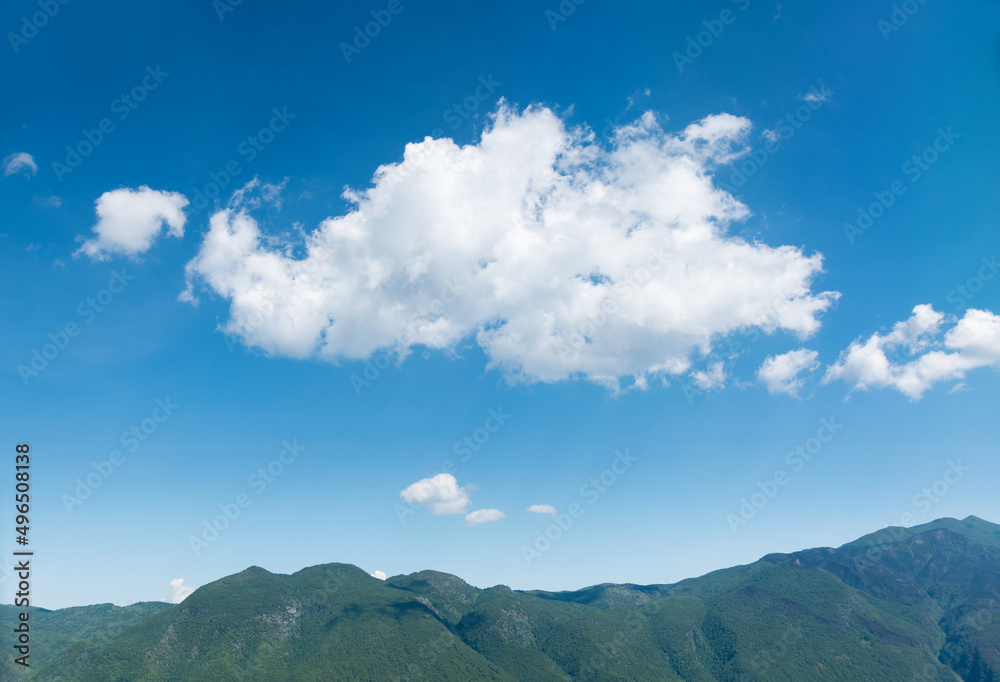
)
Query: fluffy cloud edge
[
  {"x": 781, "y": 373},
  {"x": 972, "y": 342},
  {"x": 129, "y": 221},
  {"x": 178, "y": 591},
  {"x": 440, "y": 492}
]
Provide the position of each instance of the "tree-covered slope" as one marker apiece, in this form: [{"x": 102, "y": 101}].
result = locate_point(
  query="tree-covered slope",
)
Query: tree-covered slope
[
  {"x": 898, "y": 605},
  {"x": 54, "y": 631}
]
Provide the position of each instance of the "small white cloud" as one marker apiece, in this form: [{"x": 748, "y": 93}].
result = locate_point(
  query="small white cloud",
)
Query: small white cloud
[
  {"x": 484, "y": 516},
  {"x": 639, "y": 94},
  {"x": 819, "y": 93},
  {"x": 714, "y": 378},
  {"x": 130, "y": 220},
  {"x": 780, "y": 373},
  {"x": 256, "y": 193},
  {"x": 441, "y": 493},
  {"x": 53, "y": 201},
  {"x": 20, "y": 162},
  {"x": 542, "y": 509},
  {"x": 380, "y": 575},
  {"x": 178, "y": 591},
  {"x": 972, "y": 343},
  {"x": 771, "y": 135}
]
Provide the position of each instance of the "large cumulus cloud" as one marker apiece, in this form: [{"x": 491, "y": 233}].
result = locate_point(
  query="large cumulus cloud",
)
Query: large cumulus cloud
[{"x": 558, "y": 255}]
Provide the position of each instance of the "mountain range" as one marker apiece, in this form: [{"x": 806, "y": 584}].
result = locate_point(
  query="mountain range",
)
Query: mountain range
[{"x": 900, "y": 605}]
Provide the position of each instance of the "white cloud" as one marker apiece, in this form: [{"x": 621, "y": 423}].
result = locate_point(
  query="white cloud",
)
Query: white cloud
[
  {"x": 977, "y": 336},
  {"x": 973, "y": 342},
  {"x": 484, "y": 516},
  {"x": 820, "y": 93},
  {"x": 441, "y": 493},
  {"x": 780, "y": 373},
  {"x": 178, "y": 591},
  {"x": 917, "y": 332},
  {"x": 712, "y": 379},
  {"x": 560, "y": 257},
  {"x": 130, "y": 220},
  {"x": 255, "y": 194},
  {"x": 542, "y": 509},
  {"x": 380, "y": 575},
  {"x": 20, "y": 162},
  {"x": 636, "y": 96}
]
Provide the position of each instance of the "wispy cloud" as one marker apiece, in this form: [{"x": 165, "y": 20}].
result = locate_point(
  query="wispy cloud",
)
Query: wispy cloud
[
  {"x": 20, "y": 162},
  {"x": 53, "y": 201},
  {"x": 256, "y": 193},
  {"x": 711, "y": 379},
  {"x": 817, "y": 94}
]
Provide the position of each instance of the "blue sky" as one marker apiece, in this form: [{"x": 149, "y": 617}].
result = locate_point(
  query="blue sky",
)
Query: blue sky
[{"x": 877, "y": 337}]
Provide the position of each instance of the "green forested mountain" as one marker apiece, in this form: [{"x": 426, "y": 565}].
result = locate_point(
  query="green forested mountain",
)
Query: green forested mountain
[
  {"x": 899, "y": 605},
  {"x": 52, "y": 632}
]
